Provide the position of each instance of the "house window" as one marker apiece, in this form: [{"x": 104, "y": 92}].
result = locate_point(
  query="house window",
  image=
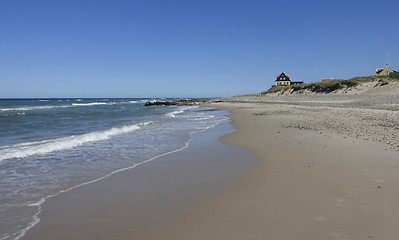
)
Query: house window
[{"x": 387, "y": 73}]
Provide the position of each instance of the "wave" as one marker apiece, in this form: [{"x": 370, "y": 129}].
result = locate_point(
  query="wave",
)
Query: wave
[
  {"x": 89, "y": 104},
  {"x": 18, "y": 114},
  {"x": 200, "y": 118},
  {"x": 180, "y": 110},
  {"x": 174, "y": 113},
  {"x": 29, "y": 108},
  {"x": 47, "y": 146}
]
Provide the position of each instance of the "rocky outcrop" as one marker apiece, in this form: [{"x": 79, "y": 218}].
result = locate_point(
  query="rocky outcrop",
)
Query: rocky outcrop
[{"x": 185, "y": 102}]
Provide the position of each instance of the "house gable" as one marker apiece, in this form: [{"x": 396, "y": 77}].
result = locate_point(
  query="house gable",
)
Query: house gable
[
  {"x": 283, "y": 77},
  {"x": 384, "y": 71}
]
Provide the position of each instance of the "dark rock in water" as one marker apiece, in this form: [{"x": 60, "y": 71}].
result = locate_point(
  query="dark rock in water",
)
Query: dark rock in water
[
  {"x": 186, "y": 102},
  {"x": 160, "y": 103}
]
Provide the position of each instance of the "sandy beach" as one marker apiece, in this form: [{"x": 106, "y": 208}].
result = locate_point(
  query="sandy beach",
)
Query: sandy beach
[
  {"x": 199, "y": 120},
  {"x": 328, "y": 169}
]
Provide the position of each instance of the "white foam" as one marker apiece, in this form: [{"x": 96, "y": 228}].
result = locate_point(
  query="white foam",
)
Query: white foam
[
  {"x": 153, "y": 100},
  {"x": 36, "y": 219},
  {"x": 179, "y": 111},
  {"x": 28, "y": 108},
  {"x": 174, "y": 113},
  {"x": 47, "y": 146},
  {"x": 89, "y": 104},
  {"x": 201, "y": 118}
]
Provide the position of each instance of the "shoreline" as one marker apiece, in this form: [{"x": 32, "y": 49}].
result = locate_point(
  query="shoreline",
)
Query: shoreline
[
  {"x": 132, "y": 200},
  {"x": 308, "y": 185}
]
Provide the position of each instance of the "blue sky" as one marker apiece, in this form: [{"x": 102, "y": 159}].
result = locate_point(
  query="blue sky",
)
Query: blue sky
[{"x": 97, "y": 48}]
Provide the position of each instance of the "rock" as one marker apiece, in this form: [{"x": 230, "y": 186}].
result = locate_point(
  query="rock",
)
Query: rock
[{"x": 186, "y": 102}]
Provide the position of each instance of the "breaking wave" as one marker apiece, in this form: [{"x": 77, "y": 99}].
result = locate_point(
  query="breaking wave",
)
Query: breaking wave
[
  {"x": 47, "y": 146},
  {"x": 29, "y": 108}
]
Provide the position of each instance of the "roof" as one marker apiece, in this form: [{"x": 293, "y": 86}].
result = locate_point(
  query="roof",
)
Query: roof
[
  {"x": 378, "y": 70},
  {"x": 283, "y": 73},
  {"x": 326, "y": 79}
]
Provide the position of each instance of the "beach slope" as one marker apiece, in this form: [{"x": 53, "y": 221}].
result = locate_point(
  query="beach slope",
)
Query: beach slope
[{"x": 326, "y": 171}]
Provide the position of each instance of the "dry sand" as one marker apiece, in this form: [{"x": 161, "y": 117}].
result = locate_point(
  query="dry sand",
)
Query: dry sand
[{"x": 329, "y": 169}]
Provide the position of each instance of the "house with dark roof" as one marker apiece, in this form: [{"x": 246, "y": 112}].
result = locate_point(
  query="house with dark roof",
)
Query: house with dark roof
[{"x": 283, "y": 79}]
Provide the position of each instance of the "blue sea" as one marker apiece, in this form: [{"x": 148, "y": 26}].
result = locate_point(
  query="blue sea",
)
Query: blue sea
[{"x": 49, "y": 146}]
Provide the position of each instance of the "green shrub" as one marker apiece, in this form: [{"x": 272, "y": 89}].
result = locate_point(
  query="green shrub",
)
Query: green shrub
[
  {"x": 275, "y": 89},
  {"x": 394, "y": 76}
]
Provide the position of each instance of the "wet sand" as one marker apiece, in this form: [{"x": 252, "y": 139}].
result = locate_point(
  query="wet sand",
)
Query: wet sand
[{"x": 133, "y": 201}]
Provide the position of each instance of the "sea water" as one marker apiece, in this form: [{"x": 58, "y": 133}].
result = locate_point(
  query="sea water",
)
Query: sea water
[{"x": 49, "y": 146}]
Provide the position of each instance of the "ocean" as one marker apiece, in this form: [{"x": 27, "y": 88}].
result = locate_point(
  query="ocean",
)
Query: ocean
[{"x": 50, "y": 146}]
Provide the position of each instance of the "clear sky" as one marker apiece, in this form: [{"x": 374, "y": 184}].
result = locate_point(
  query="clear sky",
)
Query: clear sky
[{"x": 184, "y": 48}]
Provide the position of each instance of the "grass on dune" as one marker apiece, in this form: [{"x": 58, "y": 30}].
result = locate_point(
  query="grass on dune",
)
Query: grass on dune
[{"x": 333, "y": 85}]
